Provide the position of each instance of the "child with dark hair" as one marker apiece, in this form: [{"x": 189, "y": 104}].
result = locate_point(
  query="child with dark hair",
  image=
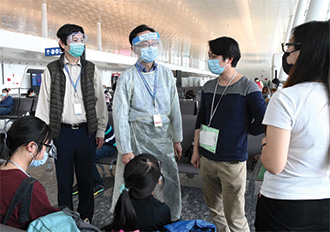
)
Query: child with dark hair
[
  {"x": 137, "y": 208},
  {"x": 27, "y": 143}
]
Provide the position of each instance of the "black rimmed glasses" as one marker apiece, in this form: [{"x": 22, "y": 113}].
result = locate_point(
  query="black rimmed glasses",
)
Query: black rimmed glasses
[
  {"x": 285, "y": 47},
  {"x": 50, "y": 149}
]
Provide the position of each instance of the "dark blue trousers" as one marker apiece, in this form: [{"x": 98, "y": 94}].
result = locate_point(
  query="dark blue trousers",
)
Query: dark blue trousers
[{"x": 76, "y": 151}]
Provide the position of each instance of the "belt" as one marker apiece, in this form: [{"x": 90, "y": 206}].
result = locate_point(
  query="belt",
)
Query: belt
[
  {"x": 74, "y": 126},
  {"x": 234, "y": 162}
]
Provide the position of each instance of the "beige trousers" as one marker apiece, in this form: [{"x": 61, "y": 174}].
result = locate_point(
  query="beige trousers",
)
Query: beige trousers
[{"x": 223, "y": 186}]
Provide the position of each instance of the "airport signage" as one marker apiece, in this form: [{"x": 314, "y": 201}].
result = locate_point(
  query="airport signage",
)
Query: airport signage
[{"x": 53, "y": 51}]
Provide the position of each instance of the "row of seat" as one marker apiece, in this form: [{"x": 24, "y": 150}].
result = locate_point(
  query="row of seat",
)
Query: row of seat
[
  {"x": 184, "y": 165},
  {"x": 21, "y": 107}
]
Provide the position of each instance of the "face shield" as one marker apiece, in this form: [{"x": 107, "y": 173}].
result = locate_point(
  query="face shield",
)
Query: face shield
[
  {"x": 147, "y": 46},
  {"x": 77, "y": 37},
  {"x": 77, "y": 42}
]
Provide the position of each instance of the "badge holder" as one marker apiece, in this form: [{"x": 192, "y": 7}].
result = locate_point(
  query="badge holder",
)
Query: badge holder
[
  {"x": 208, "y": 138},
  {"x": 157, "y": 117},
  {"x": 77, "y": 106}
]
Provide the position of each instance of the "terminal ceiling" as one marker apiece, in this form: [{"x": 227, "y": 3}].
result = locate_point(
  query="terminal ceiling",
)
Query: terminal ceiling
[{"x": 185, "y": 26}]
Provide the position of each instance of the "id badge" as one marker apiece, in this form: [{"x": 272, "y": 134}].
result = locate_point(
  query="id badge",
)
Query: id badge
[
  {"x": 208, "y": 138},
  {"x": 158, "y": 120},
  {"x": 77, "y": 109}
]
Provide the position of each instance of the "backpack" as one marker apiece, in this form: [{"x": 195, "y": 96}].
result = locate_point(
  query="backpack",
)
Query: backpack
[{"x": 65, "y": 220}]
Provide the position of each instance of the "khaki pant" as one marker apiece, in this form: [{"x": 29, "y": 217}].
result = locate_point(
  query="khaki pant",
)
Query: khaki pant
[{"x": 223, "y": 186}]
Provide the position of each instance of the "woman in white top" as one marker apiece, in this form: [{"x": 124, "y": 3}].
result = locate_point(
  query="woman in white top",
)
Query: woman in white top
[{"x": 295, "y": 194}]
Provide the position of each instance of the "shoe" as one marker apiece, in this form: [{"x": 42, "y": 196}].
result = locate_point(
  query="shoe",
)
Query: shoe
[
  {"x": 74, "y": 190},
  {"x": 98, "y": 189}
]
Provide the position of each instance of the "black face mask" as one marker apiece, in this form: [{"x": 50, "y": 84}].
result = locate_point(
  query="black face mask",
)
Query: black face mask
[{"x": 286, "y": 67}]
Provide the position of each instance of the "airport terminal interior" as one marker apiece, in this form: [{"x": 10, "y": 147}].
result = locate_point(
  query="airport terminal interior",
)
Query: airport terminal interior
[{"x": 28, "y": 43}]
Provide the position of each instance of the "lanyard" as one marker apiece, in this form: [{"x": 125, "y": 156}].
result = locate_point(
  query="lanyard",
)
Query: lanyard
[
  {"x": 153, "y": 94},
  {"x": 223, "y": 93},
  {"x": 19, "y": 167},
  {"x": 74, "y": 85}
]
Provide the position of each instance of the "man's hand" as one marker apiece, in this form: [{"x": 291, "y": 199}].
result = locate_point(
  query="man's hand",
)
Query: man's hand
[
  {"x": 127, "y": 157},
  {"x": 195, "y": 159},
  {"x": 177, "y": 150},
  {"x": 99, "y": 142}
]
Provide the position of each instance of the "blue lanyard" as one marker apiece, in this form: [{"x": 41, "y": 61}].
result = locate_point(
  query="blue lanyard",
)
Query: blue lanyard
[
  {"x": 153, "y": 94},
  {"x": 72, "y": 83},
  {"x": 19, "y": 167}
]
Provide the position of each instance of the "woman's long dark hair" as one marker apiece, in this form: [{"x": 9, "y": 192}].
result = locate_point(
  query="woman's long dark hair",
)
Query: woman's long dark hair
[
  {"x": 313, "y": 61},
  {"x": 141, "y": 175},
  {"x": 23, "y": 131}
]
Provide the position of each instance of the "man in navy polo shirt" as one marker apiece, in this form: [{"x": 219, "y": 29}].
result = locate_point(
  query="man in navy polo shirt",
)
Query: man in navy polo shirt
[{"x": 231, "y": 106}]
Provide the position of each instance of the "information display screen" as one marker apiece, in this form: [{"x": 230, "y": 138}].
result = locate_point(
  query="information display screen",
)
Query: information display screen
[{"x": 35, "y": 79}]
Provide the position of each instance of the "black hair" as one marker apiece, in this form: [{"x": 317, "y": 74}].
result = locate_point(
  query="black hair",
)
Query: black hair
[
  {"x": 226, "y": 47},
  {"x": 190, "y": 94},
  {"x": 141, "y": 176},
  {"x": 5, "y": 89},
  {"x": 67, "y": 30},
  {"x": 313, "y": 61},
  {"x": 30, "y": 91},
  {"x": 138, "y": 30},
  {"x": 23, "y": 131}
]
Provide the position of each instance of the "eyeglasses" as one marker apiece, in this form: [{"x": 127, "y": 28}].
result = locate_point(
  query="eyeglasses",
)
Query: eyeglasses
[
  {"x": 285, "y": 46},
  {"x": 146, "y": 44},
  {"x": 50, "y": 149},
  {"x": 77, "y": 38}
]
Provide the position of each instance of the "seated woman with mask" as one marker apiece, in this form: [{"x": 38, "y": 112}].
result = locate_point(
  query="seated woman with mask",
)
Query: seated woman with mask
[
  {"x": 136, "y": 208},
  {"x": 27, "y": 143}
]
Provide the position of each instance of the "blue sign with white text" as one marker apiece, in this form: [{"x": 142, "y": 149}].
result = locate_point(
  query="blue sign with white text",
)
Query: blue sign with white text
[{"x": 53, "y": 51}]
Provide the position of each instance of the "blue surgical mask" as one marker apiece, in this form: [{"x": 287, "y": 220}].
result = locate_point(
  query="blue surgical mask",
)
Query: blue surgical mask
[
  {"x": 4, "y": 94},
  {"x": 77, "y": 49},
  {"x": 215, "y": 67},
  {"x": 149, "y": 54},
  {"x": 37, "y": 163}
]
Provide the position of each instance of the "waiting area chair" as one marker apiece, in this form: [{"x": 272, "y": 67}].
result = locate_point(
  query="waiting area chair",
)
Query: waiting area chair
[
  {"x": 21, "y": 107},
  {"x": 188, "y": 128},
  {"x": 188, "y": 107}
]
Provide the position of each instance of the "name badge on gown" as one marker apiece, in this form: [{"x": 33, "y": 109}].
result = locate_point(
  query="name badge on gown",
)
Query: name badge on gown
[
  {"x": 77, "y": 109},
  {"x": 208, "y": 138},
  {"x": 158, "y": 120}
]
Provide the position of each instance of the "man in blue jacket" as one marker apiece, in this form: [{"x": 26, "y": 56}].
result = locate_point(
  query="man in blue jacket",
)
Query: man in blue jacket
[{"x": 6, "y": 103}]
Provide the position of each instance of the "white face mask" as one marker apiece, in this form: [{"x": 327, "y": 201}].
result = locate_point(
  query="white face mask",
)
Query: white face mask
[{"x": 4, "y": 94}]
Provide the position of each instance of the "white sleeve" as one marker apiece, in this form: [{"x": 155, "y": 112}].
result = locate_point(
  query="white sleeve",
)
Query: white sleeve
[
  {"x": 43, "y": 106},
  {"x": 120, "y": 113},
  {"x": 280, "y": 112},
  {"x": 100, "y": 107}
]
